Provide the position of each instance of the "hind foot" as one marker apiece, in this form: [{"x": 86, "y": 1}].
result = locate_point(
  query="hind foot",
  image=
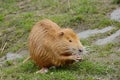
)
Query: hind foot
[{"x": 43, "y": 70}]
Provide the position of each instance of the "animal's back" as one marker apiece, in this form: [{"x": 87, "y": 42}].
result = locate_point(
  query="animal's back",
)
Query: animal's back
[{"x": 41, "y": 33}]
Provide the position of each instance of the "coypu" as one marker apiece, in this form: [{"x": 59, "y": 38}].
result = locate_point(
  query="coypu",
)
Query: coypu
[{"x": 51, "y": 45}]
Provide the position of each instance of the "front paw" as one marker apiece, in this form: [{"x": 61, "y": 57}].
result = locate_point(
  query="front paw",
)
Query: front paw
[{"x": 77, "y": 58}]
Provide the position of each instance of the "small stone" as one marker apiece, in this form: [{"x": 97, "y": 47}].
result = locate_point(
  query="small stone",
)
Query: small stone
[{"x": 12, "y": 56}]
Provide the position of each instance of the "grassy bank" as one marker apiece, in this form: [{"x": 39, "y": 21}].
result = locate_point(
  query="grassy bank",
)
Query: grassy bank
[{"x": 18, "y": 16}]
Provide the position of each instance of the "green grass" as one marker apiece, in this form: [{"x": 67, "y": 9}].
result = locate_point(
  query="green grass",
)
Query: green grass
[
  {"x": 18, "y": 16},
  {"x": 73, "y": 72},
  {"x": 116, "y": 1}
]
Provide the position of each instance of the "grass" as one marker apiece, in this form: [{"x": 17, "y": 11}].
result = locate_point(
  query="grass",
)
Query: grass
[
  {"x": 116, "y": 1},
  {"x": 17, "y": 18},
  {"x": 74, "y": 71}
]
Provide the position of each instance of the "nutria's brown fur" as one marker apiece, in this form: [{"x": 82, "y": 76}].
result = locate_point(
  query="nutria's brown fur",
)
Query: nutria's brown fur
[{"x": 51, "y": 45}]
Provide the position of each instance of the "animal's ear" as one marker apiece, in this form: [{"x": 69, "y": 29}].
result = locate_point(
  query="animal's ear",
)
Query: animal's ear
[{"x": 61, "y": 33}]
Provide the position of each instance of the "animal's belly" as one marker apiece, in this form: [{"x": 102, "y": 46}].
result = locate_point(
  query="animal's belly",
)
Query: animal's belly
[
  {"x": 42, "y": 60},
  {"x": 45, "y": 59}
]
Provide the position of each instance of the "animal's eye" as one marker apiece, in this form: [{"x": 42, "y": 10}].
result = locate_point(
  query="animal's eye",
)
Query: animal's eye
[{"x": 70, "y": 40}]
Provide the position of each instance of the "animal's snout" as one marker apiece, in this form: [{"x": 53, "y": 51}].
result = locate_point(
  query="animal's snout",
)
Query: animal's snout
[{"x": 80, "y": 50}]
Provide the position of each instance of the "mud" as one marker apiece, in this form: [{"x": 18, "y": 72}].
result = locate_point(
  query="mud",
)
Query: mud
[
  {"x": 115, "y": 15},
  {"x": 13, "y": 56},
  {"x": 88, "y": 33},
  {"x": 109, "y": 39}
]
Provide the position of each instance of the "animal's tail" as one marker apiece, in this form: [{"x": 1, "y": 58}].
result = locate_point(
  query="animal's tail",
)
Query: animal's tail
[{"x": 26, "y": 59}]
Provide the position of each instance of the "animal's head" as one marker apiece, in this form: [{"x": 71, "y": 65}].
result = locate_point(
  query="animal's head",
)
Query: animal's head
[{"x": 70, "y": 41}]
